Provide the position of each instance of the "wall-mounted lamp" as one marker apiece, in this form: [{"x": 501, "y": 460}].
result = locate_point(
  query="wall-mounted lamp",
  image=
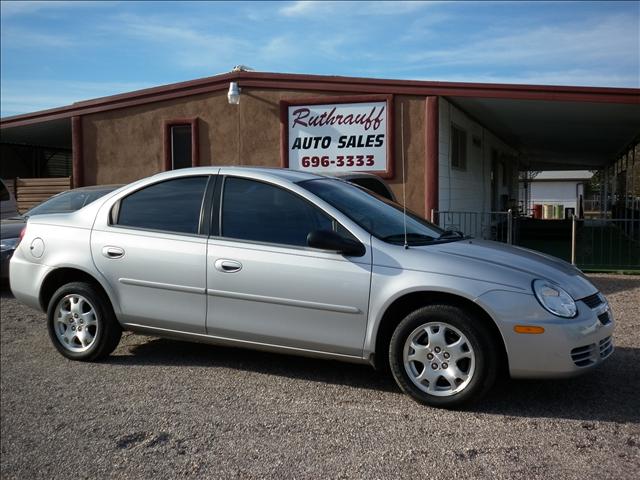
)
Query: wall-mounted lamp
[{"x": 234, "y": 93}]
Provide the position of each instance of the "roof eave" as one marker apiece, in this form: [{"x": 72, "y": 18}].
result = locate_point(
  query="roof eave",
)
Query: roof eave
[{"x": 329, "y": 83}]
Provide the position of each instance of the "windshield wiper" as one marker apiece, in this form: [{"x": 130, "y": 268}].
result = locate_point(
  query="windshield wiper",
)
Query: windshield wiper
[
  {"x": 451, "y": 234},
  {"x": 411, "y": 237}
]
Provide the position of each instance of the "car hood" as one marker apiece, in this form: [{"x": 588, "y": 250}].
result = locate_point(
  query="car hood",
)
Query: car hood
[
  {"x": 493, "y": 265},
  {"x": 11, "y": 228},
  {"x": 483, "y": 255}
]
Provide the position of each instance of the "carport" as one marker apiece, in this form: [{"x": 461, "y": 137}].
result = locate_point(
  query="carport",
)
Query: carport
[
  {"x": 553, "y": 132},
  {"x": 39, "y": 149}
]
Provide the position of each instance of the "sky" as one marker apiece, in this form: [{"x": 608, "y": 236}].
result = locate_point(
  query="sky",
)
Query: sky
[{"x": 53, "y": 53}]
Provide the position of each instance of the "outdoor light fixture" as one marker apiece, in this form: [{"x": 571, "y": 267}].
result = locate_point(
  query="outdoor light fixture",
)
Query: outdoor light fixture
[{"x": 234, "y": 93}]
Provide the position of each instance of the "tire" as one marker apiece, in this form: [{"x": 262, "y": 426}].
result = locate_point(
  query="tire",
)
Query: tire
[
  {"x": 454, "y": 361},
  {"x": 81, "y": 322}
]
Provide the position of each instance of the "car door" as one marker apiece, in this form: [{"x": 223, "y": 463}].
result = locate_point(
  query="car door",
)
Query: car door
[
  {"x": 153, "y": 254},
  {"x": 266, "y": 286}
]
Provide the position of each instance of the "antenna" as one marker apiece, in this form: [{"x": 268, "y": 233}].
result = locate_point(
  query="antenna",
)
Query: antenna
[{"x": 404, "y": 183}]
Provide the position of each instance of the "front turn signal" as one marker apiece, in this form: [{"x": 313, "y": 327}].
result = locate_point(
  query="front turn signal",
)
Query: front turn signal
[{"x": 532, "y": 329}]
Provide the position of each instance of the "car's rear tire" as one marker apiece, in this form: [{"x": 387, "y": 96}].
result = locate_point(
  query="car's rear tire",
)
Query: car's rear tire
[
  {"x": 81, "y": 322},
  {"x": 442, "y": 357}
]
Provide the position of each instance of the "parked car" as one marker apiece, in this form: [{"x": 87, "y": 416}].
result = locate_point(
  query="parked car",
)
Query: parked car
[
  {"x": 64, "y": 202},
  {"x": 367, "y": 180},
  {"x": 8, "y": 206},
  {"x": 304, "y": 264}
]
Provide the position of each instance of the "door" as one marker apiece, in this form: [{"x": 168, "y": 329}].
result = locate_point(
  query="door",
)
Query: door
[
  {"x": 265, "y": 285},
  {"x": 153, "y": 254}
]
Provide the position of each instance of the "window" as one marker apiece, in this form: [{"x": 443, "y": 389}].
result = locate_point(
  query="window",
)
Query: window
[
  {"x": 265, "y": 213},
  {"x": 181, "y": 144},
  {"x": 381, "y": 218},
  {"x": 458, "y": 148},
  {"x": 173, "y": 206},
  {"x": 69, "y": 201}
]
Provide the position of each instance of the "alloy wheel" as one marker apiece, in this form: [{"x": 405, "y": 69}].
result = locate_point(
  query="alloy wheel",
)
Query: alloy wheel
[
  {"x": 439, "y": 359},
  {"x": 76, "y": 323}
]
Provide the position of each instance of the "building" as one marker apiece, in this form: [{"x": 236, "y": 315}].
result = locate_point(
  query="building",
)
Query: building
[
  {"x": 562, "y": 188},
  {"x": 461, "y": 146}
]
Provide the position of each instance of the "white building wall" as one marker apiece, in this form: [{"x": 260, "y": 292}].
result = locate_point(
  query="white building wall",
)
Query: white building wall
[
  {"x": 556, "y": 192},
  {"x": 470, "y": 190}
]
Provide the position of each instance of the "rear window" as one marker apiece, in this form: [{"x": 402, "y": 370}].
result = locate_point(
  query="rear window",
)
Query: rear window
[{"x": 69, "y": 201}]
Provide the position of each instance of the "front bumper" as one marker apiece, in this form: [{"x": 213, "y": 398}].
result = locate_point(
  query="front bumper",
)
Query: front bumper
[{"x": 568, "y": 347}]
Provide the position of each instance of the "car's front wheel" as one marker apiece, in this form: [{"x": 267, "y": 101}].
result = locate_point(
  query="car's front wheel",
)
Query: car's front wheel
[
  {"x": 81, "y": 322},
  {"x": 441, "y": 356}
]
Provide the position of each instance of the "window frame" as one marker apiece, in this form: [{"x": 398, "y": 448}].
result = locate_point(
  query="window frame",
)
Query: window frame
[
  {"x": 463, "y": 167},
  {"x": 205, "y": 208},
  {"x": 216, "y": 216},
  {"x": 168, "y": 151}
]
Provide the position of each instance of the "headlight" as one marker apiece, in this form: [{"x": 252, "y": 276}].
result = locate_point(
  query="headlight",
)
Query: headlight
[
  {"x": 8, "y": 244},
  {"x": 554, "y": 299}
]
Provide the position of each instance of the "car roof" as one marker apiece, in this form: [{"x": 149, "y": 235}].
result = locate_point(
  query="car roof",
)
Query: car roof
[
  {"x": 96, "y": 187},
  {"x": 282, "y": 173},
  {"x": 273, "y": 172}
]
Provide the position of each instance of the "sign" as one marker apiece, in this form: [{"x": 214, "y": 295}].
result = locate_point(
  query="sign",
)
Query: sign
[{"x": 346, "y": 135}]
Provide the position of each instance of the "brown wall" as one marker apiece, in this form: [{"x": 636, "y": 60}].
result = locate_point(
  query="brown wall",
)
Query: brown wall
[{"x": 124, "y": 145}]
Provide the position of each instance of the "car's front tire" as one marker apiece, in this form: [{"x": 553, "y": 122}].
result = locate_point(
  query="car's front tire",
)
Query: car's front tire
[
  {"x": 81, "y": 322},
  {"x": 441, "y": 356}
]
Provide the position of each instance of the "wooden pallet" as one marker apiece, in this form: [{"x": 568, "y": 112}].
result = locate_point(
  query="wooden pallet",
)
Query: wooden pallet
[{"x": 29, "y": 192}]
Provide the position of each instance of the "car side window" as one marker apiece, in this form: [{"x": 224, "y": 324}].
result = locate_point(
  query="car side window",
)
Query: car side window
[
  {"x": 260, "y": 212},
  {"x": 172, "y": 206}
]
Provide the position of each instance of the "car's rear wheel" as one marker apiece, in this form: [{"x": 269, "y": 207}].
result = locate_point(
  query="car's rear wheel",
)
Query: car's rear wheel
[
  {"x": 442, "y": 357},
  {"x": 81, "y": 322}
]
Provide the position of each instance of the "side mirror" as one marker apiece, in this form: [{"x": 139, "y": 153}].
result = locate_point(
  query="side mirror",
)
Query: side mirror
[{"x": 330, "y": 240}]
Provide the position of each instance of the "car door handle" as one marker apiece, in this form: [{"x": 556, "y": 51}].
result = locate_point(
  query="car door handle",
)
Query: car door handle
[
  {"x": 113, "y": 252},
  {"x": 227, "y": 266}
]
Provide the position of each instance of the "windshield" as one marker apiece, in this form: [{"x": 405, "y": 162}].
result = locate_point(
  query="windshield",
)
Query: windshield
[
  {"x": 68, "y": 201},
  {"x": 380, "y": 217}
]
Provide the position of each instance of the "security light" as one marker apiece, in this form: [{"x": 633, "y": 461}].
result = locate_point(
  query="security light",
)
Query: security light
[{"x": 234, "y": 93}]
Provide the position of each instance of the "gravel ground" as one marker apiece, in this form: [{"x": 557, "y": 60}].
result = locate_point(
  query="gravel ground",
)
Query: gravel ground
[{"x": 165, "y": 409}]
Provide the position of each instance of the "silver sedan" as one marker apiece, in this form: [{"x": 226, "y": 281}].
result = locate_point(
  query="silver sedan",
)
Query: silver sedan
[{"x": 303, "y": 264}]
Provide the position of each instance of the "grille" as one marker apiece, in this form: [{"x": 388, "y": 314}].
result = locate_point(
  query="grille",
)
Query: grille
[
  {"x": 593, "y": 301},
  {"x": 588, "y": 354},
  {"x": 583, "y": 356},
  {"x": 604, "y": 318},
  {"x": 606, "y": 347}
]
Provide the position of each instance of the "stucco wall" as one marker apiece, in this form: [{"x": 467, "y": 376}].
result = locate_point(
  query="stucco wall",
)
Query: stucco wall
[
  {"x": 470, "y": 190},
  {"x": 124, "y": 145}
]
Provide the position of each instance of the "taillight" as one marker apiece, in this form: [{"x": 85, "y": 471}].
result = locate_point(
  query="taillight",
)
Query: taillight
[{"x": 22, "y": 234}]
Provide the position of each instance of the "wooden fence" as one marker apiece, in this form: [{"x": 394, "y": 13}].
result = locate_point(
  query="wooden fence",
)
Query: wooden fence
[{"x": 29, "y": 192}]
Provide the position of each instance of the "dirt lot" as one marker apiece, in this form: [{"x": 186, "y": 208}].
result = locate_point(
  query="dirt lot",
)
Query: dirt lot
[{"x": 165, "y": 409}]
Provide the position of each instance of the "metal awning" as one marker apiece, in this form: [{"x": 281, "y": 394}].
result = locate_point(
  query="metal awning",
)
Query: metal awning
[
  {"x": 49, "y": 133},
  {"x": 558, "y": 135}
]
